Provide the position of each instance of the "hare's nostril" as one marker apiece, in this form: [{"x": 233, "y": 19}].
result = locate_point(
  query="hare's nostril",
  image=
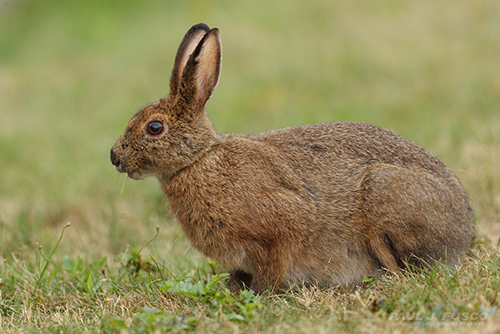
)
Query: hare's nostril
[{"x": 114, "y": 159}]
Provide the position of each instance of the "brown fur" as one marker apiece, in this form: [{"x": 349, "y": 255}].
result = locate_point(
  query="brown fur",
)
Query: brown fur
[{"x": 322, "y": 204}]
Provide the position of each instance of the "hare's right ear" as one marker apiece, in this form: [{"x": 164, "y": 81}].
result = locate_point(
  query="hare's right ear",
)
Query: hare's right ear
[{"x": 186, "y": 48}]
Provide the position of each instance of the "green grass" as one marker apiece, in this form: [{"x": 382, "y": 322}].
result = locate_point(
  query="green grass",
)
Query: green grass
[{"x": 73, "y": 73}]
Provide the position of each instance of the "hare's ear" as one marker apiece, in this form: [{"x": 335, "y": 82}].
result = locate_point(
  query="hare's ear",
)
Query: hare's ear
[
  {"x": 202, "y": 71},
  {"x": 186, "y": 48}
]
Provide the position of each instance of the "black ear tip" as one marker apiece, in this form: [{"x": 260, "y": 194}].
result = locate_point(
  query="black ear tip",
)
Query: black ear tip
[{"x": 199, "y": 26}]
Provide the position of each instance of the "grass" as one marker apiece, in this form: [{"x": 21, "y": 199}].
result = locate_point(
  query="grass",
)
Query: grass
[
  {"x": 130, "y": 294},
  {"x": 72, "y": 74}
]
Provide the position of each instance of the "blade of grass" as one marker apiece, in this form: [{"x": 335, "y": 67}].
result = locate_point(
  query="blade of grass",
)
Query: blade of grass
[{"x": 49, "y": 258}]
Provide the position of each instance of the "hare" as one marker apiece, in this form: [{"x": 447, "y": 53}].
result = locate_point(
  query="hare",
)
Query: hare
[{"x": 323, "y": 204}]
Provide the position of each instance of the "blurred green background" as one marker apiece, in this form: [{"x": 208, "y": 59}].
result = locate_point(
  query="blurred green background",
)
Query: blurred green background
[{"x": 72, "y": 73}]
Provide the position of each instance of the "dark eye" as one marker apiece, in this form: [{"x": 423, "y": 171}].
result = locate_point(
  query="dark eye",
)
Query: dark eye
[{"x": 155, "y": 128}]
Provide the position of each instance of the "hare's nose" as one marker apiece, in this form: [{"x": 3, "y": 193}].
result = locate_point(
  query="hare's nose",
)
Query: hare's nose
[{"x": 114, "y": 159}]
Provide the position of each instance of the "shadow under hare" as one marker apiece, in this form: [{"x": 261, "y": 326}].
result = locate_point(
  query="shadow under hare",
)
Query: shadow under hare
[{"x": 323, "y": 204}]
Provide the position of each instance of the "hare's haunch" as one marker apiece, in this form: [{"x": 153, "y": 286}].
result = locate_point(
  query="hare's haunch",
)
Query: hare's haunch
[{"x": 322, "y": 204}]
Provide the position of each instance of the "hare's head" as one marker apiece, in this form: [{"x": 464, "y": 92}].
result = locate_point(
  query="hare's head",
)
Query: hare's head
[{"x": 172, "y": 133}]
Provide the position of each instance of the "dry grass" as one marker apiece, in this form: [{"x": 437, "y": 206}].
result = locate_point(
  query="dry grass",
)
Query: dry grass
[{"x": 438, "y": 300}]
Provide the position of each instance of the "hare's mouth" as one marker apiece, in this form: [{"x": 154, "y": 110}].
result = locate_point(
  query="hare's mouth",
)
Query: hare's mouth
[
  {"x": 133, "y": 174},
  {"x": 121, "y": 169},
  {"x": 137, "y": 175}
]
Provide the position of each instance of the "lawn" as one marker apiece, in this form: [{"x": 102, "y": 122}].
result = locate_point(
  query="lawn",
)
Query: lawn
[{"x": 82, "y": 249}]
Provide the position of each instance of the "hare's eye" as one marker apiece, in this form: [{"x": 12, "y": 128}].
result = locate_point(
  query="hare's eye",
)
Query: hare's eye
[{"x": 155, "y": 128}]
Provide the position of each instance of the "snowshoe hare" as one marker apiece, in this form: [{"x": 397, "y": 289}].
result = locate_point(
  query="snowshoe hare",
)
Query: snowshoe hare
[{"x": 323, "y": 204}]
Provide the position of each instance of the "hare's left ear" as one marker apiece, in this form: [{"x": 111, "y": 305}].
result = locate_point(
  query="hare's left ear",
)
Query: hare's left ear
[
  {"x": 201, "y": 73},
  {"x": 186, "y": 48}
]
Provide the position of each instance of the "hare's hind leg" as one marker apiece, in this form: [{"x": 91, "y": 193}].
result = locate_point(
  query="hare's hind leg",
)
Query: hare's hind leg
[{"x": 410, "y": 215}]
